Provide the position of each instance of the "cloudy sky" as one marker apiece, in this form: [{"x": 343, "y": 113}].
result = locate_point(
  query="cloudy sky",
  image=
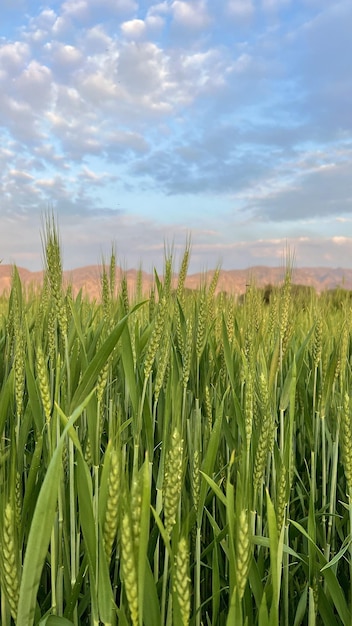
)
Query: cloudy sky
[{"x": 140, "y": 124}]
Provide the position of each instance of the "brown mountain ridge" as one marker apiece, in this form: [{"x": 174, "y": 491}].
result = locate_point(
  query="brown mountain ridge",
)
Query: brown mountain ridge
[{"x": 88, "y": 278}]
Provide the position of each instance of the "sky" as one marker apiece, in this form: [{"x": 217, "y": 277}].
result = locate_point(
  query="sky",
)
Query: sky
[{"x": 142, "y": 124}]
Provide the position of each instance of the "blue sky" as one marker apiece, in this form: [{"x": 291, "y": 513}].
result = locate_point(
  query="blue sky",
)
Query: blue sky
[{"x": 141, "y": 123}]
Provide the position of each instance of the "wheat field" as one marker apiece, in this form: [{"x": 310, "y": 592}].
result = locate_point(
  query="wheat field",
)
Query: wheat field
[{"x": 181, "y": 458}]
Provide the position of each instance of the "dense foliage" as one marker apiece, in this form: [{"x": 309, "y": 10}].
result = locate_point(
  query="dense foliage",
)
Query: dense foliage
[{"x": 174, "y": 458}]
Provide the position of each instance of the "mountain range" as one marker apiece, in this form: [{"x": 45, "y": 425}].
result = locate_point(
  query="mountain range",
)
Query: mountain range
[{"x": 88, "y": 278}]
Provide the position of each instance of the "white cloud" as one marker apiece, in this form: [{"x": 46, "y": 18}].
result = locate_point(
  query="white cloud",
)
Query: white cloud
[
  {"x": 20, "y": 119},
  {"x": 137, "y": 28},
  {"x": 13, "y": 56},
  {"x": 143, "y": 70},
  {"x": 92, "y": 177},
  {"x": 69, "y": 105},
  {"x": 206, "y": 106},
  {"x": 34, "y": 84},
  {"x": 162, "y": 8},
  {"x": 61, "y": 26},
  {"x": 200, "y": 71},
  {"x": 97, "y": 87},
  {"x": 241, "y": 64},
  {"x": 130, "y": 140},
  {"x": 45, "y": 19},
  {"x": 20, "y": 177},
  {"x": 193, "y": 15},
  {"x": 40, "y": 26},
  {"x": 66, "y": 54},
  {"x": 341, "y": 241},
  {"x": 83, "y": 10},
  {"x": 116, "y": 6},
  {"x": 241, "y": 8},
  {"x": 317, "y": 192},
  {"x": 133, "y": 28},
  {"x": 50, "y": 183},
  {"x": 96, "y": 40},
  {"x": 154, "y": 22},
  {"x": 76, "y": 8}
]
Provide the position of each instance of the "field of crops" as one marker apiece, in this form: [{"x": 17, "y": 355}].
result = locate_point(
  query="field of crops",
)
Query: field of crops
[{"x": 176, "y": 458}]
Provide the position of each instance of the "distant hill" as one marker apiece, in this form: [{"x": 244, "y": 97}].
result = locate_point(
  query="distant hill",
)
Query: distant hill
[{"x": 231, "y": 281}]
